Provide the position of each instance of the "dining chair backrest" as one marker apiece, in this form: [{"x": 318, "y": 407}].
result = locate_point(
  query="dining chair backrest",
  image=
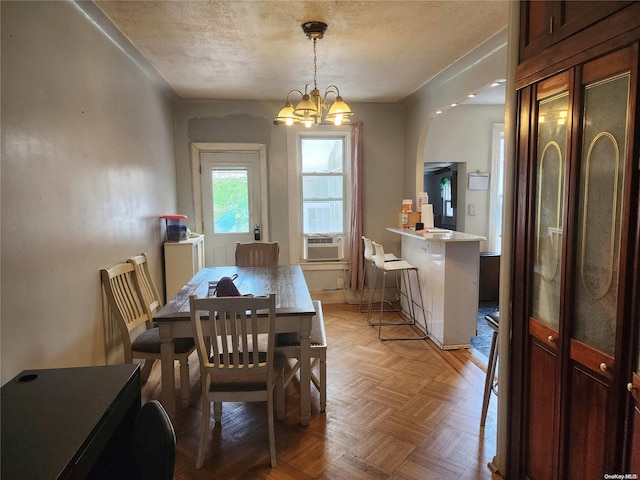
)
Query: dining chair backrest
[
  {"x": 230, "y": 369},
  {"x": 146, "y": 287},
  {"x": 122, "y": 295},
  {"x": 257, "y": 254},
  {"x": 237, "y": 328}
]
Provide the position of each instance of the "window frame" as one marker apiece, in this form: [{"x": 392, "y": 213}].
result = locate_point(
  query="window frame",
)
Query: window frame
[{"x": 294, "y": 136}]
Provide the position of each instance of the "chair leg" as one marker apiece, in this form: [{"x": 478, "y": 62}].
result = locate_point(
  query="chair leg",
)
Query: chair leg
[
  {"x": 204, "y": 428},
  {"x": 185, "y": 385},
  {"x": 371, "y": 287},
  {"x": 364, "y": 282},
  {"x": 491, "y": 371},
  {"x": 279, "y": 394},
  {"x": 272, "y": 434},
  {"x": 411, "y": 306},
  {"x": 323, "y": 381},
  {"x": 217, "y": 411},
  {"x": 382, "y": 302},
  {"x": 315, "y": 379},
  {"x": 382, "y": 309}
]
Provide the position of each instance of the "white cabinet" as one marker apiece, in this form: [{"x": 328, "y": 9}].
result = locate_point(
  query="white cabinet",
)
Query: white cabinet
[{"x": 182, "y": 260}]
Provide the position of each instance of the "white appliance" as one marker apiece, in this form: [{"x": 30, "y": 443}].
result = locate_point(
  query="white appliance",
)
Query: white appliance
[{"x": 323, "y": 248}]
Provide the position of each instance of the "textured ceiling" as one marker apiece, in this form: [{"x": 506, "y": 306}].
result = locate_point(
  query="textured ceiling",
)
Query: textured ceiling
[{"x": 376, "y": 51}]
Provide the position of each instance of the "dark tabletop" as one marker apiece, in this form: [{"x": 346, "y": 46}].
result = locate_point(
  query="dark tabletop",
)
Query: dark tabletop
[
  {"x": 51, "y": 417},
  {"x": 286, "y": 281}
]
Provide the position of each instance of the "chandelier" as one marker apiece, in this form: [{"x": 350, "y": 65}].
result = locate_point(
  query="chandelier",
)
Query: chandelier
[{"x": 309, "y": 109}]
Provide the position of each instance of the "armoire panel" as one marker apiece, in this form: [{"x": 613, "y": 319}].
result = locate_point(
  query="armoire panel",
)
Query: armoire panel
[
  {"x": 541, "y": 412},
  {"x": 587, "y": 420}
]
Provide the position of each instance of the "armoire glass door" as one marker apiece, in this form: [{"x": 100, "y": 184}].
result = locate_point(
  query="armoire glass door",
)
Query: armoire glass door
[
  {"x": 595, "y": 293},
  {"x": 548, "y": 211}
]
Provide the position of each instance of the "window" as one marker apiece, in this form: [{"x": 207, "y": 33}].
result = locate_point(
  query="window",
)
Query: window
[
  {"x": 230, "y": 200},
  {"x": 319, "y": 184},
  {"x": 322, "y": 175},
  {"x": 447, "y": 207},
  {"x": 497, "y": 189}
]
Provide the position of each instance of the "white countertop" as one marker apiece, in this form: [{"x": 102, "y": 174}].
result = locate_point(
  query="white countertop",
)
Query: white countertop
[{"x": 438, "y": 235}]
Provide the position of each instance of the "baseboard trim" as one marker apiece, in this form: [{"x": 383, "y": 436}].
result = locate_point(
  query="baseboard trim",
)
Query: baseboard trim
[
  {"x": 330, "y": 296},
  {"x": 350, "y": 297}
]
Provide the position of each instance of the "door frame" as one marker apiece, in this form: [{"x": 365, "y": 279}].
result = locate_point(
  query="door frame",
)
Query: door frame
[{"x": 197, "y": 148}]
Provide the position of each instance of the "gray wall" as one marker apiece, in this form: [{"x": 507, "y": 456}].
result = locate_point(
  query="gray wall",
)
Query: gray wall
[
  {"x": 92, "y": 155},
  {"x": 252, "y": 122},
  {"x": 87, "y": 168}
]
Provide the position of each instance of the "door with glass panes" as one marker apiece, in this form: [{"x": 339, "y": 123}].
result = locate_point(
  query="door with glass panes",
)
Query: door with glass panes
[{"x": 232, "y": 206}]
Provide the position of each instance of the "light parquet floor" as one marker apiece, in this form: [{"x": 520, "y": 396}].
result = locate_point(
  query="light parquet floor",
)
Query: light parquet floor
[{"x": 395, "y": 410}]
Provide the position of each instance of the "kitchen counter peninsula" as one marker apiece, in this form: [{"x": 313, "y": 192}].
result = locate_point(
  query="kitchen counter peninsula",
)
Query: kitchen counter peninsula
[{"x": 448, "y": 264}]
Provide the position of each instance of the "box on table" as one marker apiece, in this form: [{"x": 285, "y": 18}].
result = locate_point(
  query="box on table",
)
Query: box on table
[{"x": 411, "y": 219}]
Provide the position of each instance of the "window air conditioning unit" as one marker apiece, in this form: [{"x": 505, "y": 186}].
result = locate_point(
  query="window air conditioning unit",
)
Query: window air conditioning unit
[{"x": 323, "y": 248}]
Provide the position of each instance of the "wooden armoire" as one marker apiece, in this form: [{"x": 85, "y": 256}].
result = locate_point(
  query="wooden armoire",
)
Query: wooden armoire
[{"x": 574, "y": 389}]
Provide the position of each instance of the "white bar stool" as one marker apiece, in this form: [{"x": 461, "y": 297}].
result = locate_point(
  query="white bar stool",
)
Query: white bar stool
[
  {"x": 370, "y": 265},
  {"x": 405, "y": 268}
]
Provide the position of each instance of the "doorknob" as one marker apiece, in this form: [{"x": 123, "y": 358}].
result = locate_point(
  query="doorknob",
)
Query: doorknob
[
  {"x": 603, "y": 367},
  {"x": 630, "y": 387},
  {"x": 551, "y": 338}
]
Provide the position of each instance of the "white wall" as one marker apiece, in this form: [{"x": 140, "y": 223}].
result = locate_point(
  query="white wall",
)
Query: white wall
[
  {"x": 252, "y": 122},
  {"x": 87, "y": 168},
  {"x": 475, "y": 70},
  {"x": 464, "y": 134}
]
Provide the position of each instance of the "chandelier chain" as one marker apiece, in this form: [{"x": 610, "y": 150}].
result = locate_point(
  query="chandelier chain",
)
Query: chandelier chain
[{"x": 315, "y": 65}]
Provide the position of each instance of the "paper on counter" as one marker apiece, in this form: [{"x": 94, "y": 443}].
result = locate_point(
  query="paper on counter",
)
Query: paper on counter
[{"x": 427, "y": 215}]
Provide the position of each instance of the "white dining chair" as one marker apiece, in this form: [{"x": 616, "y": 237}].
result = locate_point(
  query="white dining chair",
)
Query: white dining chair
[
  {"x": 257, "y": 254},
  {"x": 230, "y": 370},
  {"x": 140, "y": 339}
]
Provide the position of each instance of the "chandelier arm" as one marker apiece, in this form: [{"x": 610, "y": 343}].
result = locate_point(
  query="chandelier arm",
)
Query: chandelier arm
[
  {"x": 328, "y": 90},
  {"x": 292, "y": 91}
]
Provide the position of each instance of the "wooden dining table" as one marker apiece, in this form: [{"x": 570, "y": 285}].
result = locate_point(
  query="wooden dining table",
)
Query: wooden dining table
[{"x": 294, "y": 310}]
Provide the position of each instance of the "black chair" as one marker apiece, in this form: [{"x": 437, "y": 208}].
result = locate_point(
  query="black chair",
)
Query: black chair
[{"x": 153, "y": 442}]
